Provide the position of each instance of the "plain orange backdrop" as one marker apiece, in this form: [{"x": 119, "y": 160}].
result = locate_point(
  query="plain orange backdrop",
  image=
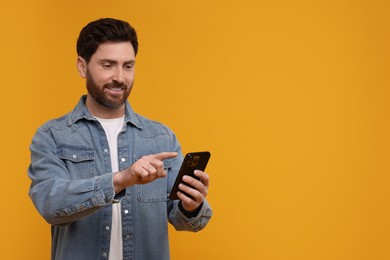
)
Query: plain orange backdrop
[{"x": 290, "y": 97}]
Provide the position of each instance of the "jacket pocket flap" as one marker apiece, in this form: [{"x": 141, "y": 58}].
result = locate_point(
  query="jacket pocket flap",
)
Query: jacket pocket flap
[{"x": 76, "y": 154}]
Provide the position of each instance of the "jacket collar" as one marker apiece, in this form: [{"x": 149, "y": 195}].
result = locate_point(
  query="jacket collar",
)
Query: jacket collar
[{"x": 81, "y": 112}]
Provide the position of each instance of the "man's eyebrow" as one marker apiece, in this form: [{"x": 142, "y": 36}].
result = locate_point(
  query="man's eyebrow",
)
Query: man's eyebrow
[
  {"x": 115, "y": 62},
  {"x": 108, "y": 61}
]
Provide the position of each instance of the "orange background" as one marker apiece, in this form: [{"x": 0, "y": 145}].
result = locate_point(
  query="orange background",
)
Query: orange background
[{"x": 290, "y": 97}]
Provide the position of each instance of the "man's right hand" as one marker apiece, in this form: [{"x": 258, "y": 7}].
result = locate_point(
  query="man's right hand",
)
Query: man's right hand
[{"x": 145, "y": 170}]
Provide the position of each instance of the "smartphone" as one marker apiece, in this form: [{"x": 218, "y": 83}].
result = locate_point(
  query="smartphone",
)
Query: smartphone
[{"x": 192, "y": 161}]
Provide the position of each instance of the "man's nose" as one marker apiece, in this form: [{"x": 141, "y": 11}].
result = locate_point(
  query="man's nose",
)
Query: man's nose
[{"x": 118, "y": 75}]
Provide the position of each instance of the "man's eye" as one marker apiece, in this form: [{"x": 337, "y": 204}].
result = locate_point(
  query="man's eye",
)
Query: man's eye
[
  {"x": 129, "y": 67},
  {"x": 106, "y": 66}
]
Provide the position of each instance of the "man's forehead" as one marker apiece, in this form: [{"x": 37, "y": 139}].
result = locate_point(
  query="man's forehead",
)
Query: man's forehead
[{"x": 115, "y": 51}]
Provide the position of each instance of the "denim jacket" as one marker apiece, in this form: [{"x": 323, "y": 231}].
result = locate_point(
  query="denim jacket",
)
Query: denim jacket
[{"x": 72, "y": 187}]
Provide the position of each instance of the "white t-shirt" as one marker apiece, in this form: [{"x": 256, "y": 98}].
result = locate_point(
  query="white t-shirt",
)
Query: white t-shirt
[{"x": 113, "y": 127}]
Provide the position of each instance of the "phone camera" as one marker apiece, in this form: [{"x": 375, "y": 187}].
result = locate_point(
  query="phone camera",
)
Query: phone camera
[{"x": 193, "y": 160}]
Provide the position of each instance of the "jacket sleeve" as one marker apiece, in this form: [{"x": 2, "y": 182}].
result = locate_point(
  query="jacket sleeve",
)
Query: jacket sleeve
[
  {"x": 194, "y": 224},
  {"x": 58, "y": 198}
]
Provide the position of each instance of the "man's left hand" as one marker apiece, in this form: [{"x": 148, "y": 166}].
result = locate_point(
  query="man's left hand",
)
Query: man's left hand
[{"x": 197, "y": 192}]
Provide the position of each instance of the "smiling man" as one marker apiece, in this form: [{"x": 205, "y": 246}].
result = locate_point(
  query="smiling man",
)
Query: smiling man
[
  {"x": 102, "y": 173},
  {"x": 109, "y": 77}
]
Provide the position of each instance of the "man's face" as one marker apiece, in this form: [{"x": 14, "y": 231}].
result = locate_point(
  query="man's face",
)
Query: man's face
[{"x": 110, "y": 74}]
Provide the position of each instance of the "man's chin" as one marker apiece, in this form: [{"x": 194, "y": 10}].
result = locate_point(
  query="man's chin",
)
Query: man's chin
[{"x": 112, "y": 103}]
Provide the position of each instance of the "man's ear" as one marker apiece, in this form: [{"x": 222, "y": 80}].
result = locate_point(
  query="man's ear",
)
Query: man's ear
[{"x": 82, "y": 66}]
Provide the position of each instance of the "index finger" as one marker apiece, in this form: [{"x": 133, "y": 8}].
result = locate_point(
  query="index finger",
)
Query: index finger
[{"x": 164, "y": 155}]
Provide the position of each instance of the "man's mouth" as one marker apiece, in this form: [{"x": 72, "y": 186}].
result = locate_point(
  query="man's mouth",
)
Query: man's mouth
[{"x": 115, "y": 87}]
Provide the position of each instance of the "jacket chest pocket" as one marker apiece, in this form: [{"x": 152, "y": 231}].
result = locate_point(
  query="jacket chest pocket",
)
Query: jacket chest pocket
[
  {"x": 80, "y": 161},
  {"x": 155, "y": 191}
]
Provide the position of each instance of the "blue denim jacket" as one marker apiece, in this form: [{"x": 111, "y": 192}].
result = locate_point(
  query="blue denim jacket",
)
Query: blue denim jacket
[{"x": 72, "y": 187}]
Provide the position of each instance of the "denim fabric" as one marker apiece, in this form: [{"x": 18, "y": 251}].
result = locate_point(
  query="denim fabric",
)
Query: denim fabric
[{"x": 72, "y": 187}]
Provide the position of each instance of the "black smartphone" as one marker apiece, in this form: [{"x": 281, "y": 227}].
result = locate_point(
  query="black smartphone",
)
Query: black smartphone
[{"x": 191, "y": 162}]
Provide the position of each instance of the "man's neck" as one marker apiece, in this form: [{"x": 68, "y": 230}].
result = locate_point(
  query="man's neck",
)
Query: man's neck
[{"x": 103, "y": 112}]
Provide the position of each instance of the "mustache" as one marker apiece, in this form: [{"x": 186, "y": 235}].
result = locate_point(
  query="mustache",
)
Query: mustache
[{"x": 115, "y": 85}]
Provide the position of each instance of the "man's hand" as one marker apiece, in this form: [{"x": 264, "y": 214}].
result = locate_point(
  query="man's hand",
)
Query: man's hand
[
  {"x": 198, "y": 191},
  {"x": 145, "y": 170}
]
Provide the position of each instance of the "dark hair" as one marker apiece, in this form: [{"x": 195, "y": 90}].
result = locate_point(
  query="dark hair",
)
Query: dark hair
[{"x": 104, "y": 30}]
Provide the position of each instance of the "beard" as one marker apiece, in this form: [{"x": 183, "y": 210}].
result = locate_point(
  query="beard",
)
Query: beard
[{"x": 105, "y": 99}]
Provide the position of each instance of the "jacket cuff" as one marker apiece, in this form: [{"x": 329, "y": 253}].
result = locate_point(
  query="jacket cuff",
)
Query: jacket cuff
[
  {"x": 105, "y": 190},
  {"x": 190, "y": 214}
]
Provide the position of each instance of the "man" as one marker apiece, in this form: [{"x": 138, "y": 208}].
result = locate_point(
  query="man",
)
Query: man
[{"x": 101, "y": 174}]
